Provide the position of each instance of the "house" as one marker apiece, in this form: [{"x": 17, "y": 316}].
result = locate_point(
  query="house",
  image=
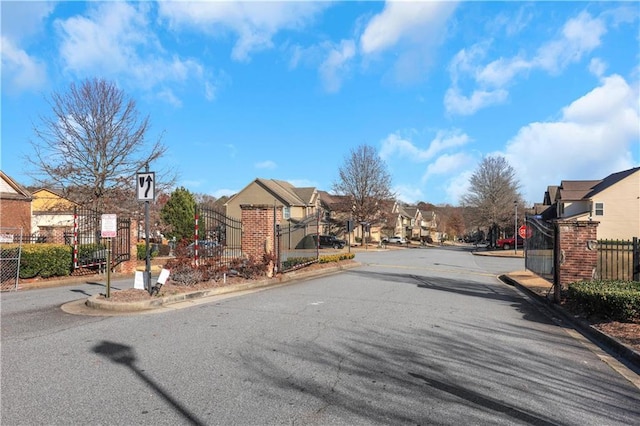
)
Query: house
[
  {"x": 52, "y": 215},
  {"x": 613, "y": 201},
  {"x": 296, "y": 203},
  {"x": 15, "y": 207}
]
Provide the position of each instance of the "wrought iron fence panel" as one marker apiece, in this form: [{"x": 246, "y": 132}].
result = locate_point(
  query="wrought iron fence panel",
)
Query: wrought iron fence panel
[
  {"x": 618, "y": 260},
  {"x": 219, "y": 238},
  {"x": 539, "y": 247},
  {"x": 297, "y": 242},
  {"x": 10, "y": 252},
  {"x": 89, "y": 248}
]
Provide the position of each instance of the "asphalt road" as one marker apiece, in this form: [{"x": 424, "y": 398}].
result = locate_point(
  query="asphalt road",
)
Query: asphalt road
[{"x": 420, "y": 336}]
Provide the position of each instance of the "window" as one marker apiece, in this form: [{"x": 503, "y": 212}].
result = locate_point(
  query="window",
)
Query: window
[
  {"x": 286, "y": 212},
  {"x": 598, "y": 209}
]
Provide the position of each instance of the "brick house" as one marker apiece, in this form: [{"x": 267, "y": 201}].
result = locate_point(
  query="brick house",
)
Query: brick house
[{"x": 15, "y": 205}]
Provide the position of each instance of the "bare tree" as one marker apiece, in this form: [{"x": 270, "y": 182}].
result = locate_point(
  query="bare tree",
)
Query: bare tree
[
  {"x": 364, "y": 177},
  {"x": 93, "y": 143},
  {"x": 492, "y": 193}
]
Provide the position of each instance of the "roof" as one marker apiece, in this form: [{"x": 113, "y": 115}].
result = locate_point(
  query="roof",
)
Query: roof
[
  {"x": 575, "y": 190},
  {"x": 12, "y": 190},
  {"x": 285, "y": 191}
]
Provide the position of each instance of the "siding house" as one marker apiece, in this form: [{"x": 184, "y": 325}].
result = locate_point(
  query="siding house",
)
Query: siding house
[
  {"x": 613, "y": 201},
  {"x": 52, "y": 215},
  {"x": 296, "y": 203}
]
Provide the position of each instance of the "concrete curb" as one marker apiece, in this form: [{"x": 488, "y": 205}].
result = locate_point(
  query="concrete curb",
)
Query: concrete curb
[
  {"x": 631, "y": 356},
  {"x": 99, "y": 303}
]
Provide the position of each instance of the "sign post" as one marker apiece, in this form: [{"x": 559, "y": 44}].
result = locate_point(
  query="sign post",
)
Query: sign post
[
  {"x": 146, "y": 188},
  {"x": 109, "y": 229}
]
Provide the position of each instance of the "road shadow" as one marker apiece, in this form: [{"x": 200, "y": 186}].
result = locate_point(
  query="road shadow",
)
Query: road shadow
[{"x": 124, "y": 355}]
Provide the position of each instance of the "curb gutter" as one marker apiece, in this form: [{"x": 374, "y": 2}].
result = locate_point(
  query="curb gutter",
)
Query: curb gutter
[
  {"x": 627, "y": 353},
  {"x": 99, "y": 303}
]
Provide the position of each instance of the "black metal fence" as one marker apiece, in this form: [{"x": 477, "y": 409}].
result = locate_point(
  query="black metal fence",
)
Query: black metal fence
[
  {"x": 539, "y": 247},
  {"x": 297, "y": 239},
  {"x": 218, "y": 237},
  {"x": 618, "y": 260},
  {"x": 90, "y": 249}
]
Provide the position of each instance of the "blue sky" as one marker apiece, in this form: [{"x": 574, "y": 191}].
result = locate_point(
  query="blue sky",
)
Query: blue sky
[{"x": 285, "y": 90}]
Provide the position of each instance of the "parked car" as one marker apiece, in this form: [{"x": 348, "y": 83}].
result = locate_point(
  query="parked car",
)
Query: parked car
[
  {"x": 206, "y": 248},
  {"x": 394, "y": 240},
  {"x": 330, "y": 241},
  {"x": 508, "y": 243}
]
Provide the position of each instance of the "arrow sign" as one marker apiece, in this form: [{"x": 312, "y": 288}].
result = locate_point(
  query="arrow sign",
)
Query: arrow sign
[{"x": 146, "y": 185}]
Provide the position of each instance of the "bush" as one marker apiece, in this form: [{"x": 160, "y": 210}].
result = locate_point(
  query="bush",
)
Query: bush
[
  {"x": 141, "y": 249},
  {"x": 46, "y": 260},
  {"x": 615, "y": 300},
  {"x": 336, "y": 257},
  {"x": 296, "y": 262}
]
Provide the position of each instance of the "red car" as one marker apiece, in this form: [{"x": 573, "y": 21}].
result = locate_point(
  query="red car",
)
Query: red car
[{"x": 508, "y": 243}]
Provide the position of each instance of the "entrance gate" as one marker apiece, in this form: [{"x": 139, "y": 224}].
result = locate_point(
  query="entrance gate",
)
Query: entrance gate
[
  {"x": 218, "y": 237},
  {"x": 540, "y": 247},
  {"x": 297, "y": 239}
]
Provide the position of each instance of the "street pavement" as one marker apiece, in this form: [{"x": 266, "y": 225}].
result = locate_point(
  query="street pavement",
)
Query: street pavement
[{"x": 417, "y": 336}]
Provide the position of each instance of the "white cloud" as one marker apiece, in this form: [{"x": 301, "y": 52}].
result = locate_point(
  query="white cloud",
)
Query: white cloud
[
  {"x": 336, "y": 64},
  {"x": 408, "y": 193},
  {"x": 579, "y": 36},
  {"x": 267, "y": 164},
  {"x": 597, "y": 67},
  {"x": 394, "y": 144},
  {"x": 253, "y": 23},
  {"x": 593, "y": 138},
  {"x": 24, "y": 19},
  {"x": 458, "y": 186},
  {"x": 402, "y": 20},
  {"x": 447, "y": 164},
  {"x": 411, "y": 31},
  {"x": 457, "y": 103},
  {"x": 115, "y": 39},
  {"x": 224, "y": 193},
  {"x": 19, "y": 70},
  {"x": 21, "y": 22}
]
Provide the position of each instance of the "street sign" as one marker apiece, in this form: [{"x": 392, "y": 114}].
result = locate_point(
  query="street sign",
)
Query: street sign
[
  {"x": 524, "y": 231},
  {"x": 146, "y": 184},
  {"x": 109, "y": 226}
]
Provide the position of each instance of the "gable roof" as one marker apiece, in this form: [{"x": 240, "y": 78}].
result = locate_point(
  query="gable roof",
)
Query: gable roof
[
  {"x": 12, "y": 190},
  {"x": 284, "y": 191},
  {"x": 576, "y": 190}
]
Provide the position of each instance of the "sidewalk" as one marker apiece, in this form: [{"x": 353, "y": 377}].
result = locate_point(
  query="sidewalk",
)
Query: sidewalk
[{"x": 541, "y": 290}]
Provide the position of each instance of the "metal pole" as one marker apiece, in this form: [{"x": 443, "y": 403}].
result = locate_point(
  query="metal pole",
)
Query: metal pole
[
  {"x": 515, "y": 230},
  {"x": 108, "y": 268},
  {"x": 147, "y": 268}
]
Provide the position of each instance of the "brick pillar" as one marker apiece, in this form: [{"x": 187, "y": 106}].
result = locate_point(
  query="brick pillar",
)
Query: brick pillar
[
  {"x": 258, "y": 232},
  {"x": 576, "y": 251}
]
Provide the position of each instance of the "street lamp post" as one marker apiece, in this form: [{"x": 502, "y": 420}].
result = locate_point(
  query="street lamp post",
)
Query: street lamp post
[{"x": 515, "y": 230}]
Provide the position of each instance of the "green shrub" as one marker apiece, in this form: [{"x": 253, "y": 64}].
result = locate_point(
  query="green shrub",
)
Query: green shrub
[
  {"x": 141, "y": 250},
  {"x": 336, "y": 257},
  {"x": 46, "y": 260},
  {"x": 616, "y": 300},
  {"x": 294, "y": 262}
]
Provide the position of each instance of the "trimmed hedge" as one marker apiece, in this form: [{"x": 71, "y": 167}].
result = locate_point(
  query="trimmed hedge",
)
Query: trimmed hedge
[
  {"x": 46, "y": 260},
  {"x": 336, "y": 257},
  {"x": 616, "y": 300}
]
